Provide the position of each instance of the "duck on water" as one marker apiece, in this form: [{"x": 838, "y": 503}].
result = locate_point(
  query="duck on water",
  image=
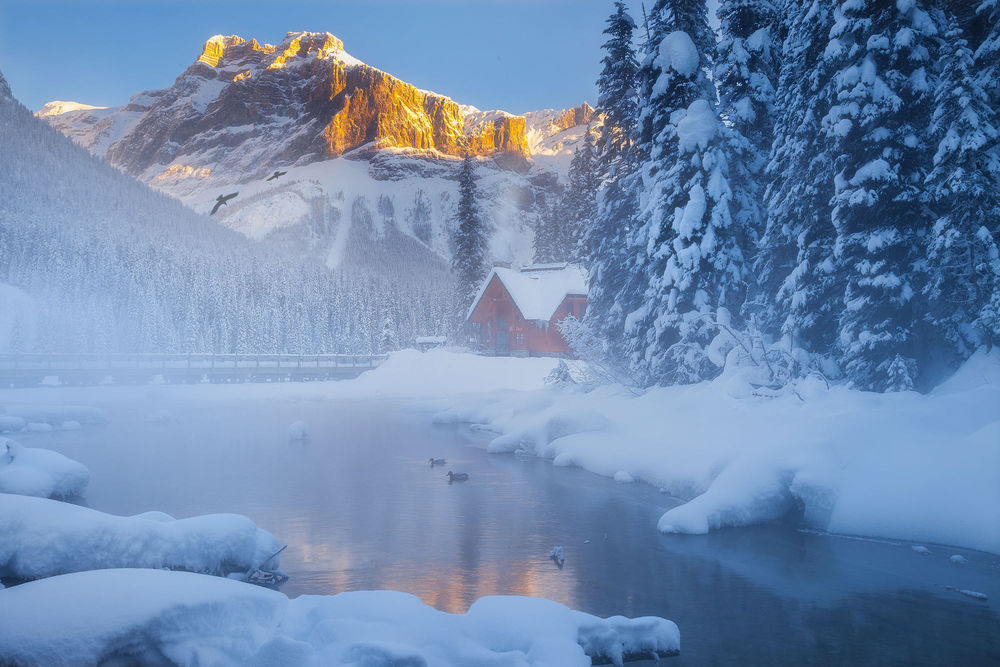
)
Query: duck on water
[{"x": 457, "y": 477}]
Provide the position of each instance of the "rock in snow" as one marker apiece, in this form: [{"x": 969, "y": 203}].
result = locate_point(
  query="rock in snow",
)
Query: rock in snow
[
  {"x": 44, "y": 538},
  {"x": 193, "y": 619},
  {"x": 31, "y": 471}
]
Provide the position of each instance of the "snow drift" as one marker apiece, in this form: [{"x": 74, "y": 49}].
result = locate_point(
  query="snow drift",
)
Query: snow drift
[
  {"x": 900, "y": 465},
  {"x": 32, "y": 471},
  {"x": 44, "y": 538},
  {"x": 189, "y": 619}
]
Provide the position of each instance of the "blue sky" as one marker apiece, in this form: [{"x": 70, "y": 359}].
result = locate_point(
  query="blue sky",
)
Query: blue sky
[{"x": 516, "y": 55}]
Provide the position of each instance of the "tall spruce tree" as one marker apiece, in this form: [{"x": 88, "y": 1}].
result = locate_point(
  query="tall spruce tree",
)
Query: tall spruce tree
[
  {"x": 580, "y": 200},
  {"x": 547, "y": 233},
  {"x": 688, "y": 247},
  {"x": 470, "y": 262},
  {"x": 746, "y": 72},
  {"x": 962, "y": 249},
  {"x": 604, "y": 243},
  {"x": 878, "y": 106},
  {"x": 796, "y": 269}
]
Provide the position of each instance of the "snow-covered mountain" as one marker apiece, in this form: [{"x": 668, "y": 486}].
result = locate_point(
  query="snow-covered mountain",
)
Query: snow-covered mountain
[
  {"x": 365, "y": 153},
  {"x": 93, "y": 260}
]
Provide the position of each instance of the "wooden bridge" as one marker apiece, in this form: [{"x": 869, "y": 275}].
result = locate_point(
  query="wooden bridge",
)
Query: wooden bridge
[{"x": 32, "y": 369}]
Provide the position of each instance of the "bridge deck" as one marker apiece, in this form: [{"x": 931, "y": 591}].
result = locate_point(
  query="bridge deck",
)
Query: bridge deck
[{"x": 32, "y": 369}]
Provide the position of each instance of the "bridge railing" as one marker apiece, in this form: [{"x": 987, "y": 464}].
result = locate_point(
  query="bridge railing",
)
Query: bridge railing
[{"x": 99, "y": 361}]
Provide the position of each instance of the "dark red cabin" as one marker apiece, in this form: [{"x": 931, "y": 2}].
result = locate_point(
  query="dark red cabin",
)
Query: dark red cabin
[{"x": 516, "y": 311}]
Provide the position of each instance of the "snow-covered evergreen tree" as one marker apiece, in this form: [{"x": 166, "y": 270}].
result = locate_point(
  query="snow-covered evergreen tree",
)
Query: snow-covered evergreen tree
[
  {"x": 961, "y": 252},
  {"x": 579, "y": 204},
  {"x": 689, "y": 249},
  {"x": 745, "y": 75},
  {"x": 469, "y": 263},
  {"x": 878, "y": 106},
  {"x": 604, "y": 243},
  {"x": 801, "y": 286},
  {"x": 564, "y": 219},
  {"x": 987, "y": 51},
  {"x": 547, "y": 244},
  {"x": 746, "y": 72},
  {"x": 616, "y": 98}
]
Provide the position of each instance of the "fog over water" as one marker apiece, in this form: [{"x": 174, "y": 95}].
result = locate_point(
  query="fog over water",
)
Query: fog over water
[{"x": 360, "y": 508}]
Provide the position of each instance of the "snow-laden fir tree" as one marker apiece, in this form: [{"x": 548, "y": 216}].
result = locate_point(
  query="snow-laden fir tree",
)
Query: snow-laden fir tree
[
  {"x": 548, "y": 235},
  {"x": 987, "y": 51},
  {"x": 604, "y": 242},
  {"x": 801, "y": 289},
  {"x": 745, "y": 75},
  {"x": 689, "y": 250},
  {"x": 746, "y": 72},
  {"x": 878, "y": 106},
  {"x": 470, "y": 262},
  {"x": 962, "y": 267},
  {"x": 564, "y": 220},
  {"x": 579, "y": 203}
]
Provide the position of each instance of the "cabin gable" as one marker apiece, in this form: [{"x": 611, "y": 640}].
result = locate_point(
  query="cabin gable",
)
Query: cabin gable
[{"x": 497, "y": 325}]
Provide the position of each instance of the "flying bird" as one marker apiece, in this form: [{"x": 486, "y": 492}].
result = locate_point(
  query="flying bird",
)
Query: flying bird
[
  {"x": 276, "y": 174},
  {"x": 222, "y": 200}
]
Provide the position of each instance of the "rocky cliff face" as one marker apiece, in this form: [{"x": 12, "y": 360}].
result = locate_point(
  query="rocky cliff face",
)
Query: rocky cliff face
[
  {"x": 243, "y": 103},
  {"x": 4, "y": 88},
  {"x": 364, "y": 152}
]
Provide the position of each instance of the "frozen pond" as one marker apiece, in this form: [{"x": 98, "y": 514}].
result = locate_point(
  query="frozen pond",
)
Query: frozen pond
[{"x": 360, "y": 508}]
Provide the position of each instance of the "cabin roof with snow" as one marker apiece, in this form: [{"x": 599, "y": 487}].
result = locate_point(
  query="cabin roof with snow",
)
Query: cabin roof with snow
[{"x": 537, "y": 289}]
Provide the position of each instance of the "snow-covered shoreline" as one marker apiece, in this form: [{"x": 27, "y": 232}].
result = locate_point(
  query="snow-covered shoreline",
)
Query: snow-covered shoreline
[
  {"x": 193, "y": 619},
  {"x": 899, "y": 465}
]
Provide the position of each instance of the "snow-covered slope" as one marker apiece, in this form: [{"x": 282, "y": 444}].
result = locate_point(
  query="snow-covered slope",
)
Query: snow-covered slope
[{"x": 356, "y": 143}]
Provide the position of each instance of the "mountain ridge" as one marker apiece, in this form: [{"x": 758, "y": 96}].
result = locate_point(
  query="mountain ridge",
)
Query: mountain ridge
[{"x": 343, "y": 131}]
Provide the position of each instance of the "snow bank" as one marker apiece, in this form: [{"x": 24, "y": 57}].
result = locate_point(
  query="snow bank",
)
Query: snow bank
[
  {"x": 43, "y": 538},
  {"x": 902, "y": 465},
  {"x": 407, "y": 374},
  {"x": 435, "y": 373},
  {"x": 31, "y": 471},
  {"x": 89, "y": 617},
  {"x": 56, "y": 416}
]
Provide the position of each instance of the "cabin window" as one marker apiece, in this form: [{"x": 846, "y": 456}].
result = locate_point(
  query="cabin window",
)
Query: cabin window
[
  {"x": 477, "y": 333},
  {"x": 519, "y": 339}
]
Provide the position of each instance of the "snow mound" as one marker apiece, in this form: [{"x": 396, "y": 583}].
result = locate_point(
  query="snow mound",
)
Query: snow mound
[
  {"x": 44, "y": 538},
  {"x": 678, "y": 52},
  {"x": 436, "y": 373},
  {"x": 55, "y": 415},
  {"x": 31, "y": 471},
  {"x": 193, "y": 619}
]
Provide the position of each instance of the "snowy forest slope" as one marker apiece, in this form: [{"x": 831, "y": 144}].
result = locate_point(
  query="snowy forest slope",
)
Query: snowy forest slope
[{"x": 108, "y": 264}]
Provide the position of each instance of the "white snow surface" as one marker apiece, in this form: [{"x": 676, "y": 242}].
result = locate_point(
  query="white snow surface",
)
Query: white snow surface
[
  {"x": 901, "y": 465},
  {"x": 193, "y": 619},
  {"x": 678, "y": 52},
  {"x": 44, "y": 538},
  {"x": 32, "y": 471}
]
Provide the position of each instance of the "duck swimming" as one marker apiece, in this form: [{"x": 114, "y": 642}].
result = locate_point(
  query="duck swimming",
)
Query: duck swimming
[
  {"x": 437, "y": 462},
  {"x": 457, "y": 477}
]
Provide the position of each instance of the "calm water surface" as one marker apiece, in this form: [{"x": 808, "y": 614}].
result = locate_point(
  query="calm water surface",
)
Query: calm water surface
[{"x": 360, "y": 508}]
